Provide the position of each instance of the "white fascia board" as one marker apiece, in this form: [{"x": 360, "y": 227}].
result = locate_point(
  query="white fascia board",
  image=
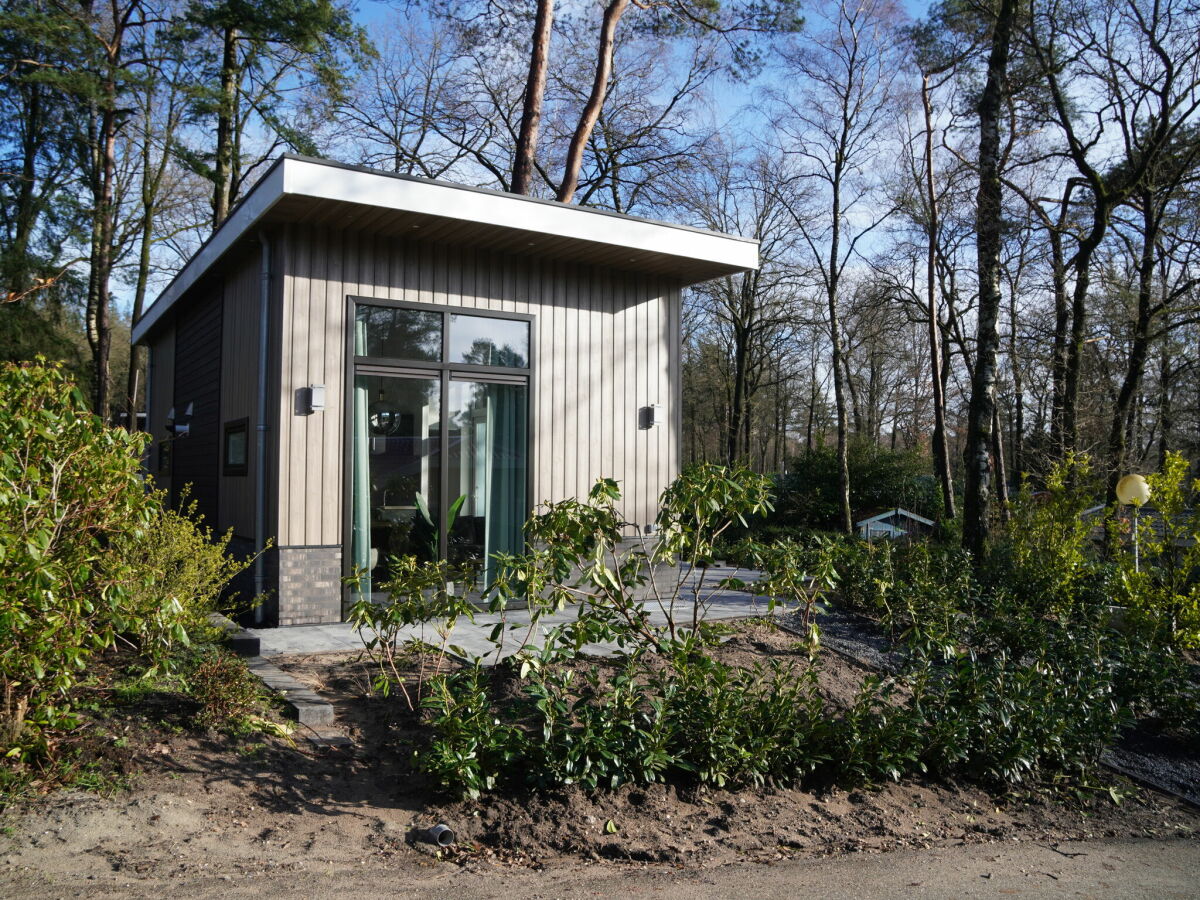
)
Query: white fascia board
[
  {"x": 873, "y": 519},
  {"x": 256, "y": 204},
  {"x": 303, "y": 178},
  {"x": 895, "y": 511},
  {"x": 309, "y": 179}
]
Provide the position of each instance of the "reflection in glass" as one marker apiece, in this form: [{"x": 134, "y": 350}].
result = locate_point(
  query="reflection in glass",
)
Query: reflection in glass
[
  {"x": 396, "y": 471},
  {"x": 386, "y": 331},
  {"x": 487, "y": 465},
  {"x": 484, "y": 341}
]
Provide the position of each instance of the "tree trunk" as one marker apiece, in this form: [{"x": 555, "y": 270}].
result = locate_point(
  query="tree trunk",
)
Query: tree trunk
[
  {"x": 1001, "y": 464},
  {"x": 535, "y": 91},
  {"x": 26, "y": 214},
  {"x": 812, "y": 409},
  {"x": 1058, "y": 356},
  {"x": 137, "y": 352},
  {"x": 226, "y": 110},
  {"x": 941, "y": 452},
  {"x": 737, "y": 405},
  {"x": 1140, "y": 346},
  {"x": 1075, "y": 346},
  {"x": 977, "y": 499},
  {"x": 1018, "y": 431},
  {"x": 845, "y": 516},
  {"x": 1165, "y": 413},
  {"x": 595, "y": 102}
]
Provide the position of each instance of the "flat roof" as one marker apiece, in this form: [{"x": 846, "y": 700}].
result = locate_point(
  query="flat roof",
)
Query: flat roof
[{"x": 310, "y": 191}]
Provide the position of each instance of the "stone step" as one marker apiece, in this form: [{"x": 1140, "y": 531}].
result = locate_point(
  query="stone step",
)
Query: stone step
[{"x": 300, "y": 701}]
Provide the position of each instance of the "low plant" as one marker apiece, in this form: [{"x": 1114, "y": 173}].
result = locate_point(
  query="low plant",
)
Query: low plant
[
  {"x": 1006, "y": 681},
  {"x": 879, "y": 737},
  {"x": 472, "y": 748},
  {"x": 865, "y": 575},
  {"x": 227, "y": 691},
  {"x": 420, "y": 595},
  {"x": 797, "y": 577},
  {"x": 598, "y": 733}
]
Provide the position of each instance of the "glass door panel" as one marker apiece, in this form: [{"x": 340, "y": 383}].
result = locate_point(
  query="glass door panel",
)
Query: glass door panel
[
  {"x": 486, "y": 463},
  {"x": 396, "y": 472}
]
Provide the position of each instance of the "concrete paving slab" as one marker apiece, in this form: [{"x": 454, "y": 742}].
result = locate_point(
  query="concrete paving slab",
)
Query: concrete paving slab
[{"x": 472, "y": 636}]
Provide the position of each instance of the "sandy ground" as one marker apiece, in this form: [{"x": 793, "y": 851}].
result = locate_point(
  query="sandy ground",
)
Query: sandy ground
[
  {"x": 1128, "y": 869},
  {"x": 211, "y": 815}
]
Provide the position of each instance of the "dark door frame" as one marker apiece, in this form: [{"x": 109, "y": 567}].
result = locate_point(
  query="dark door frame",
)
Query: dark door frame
[{"x": 448, "y": 371}]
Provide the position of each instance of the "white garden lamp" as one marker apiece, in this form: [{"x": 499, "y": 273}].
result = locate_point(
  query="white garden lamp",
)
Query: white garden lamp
[{"x": 1133, "y": 490}]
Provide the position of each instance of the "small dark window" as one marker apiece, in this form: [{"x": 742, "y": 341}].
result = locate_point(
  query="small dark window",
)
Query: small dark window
[
  {"x": 164, "y": 457},
  {"x": 237, "y": 437}
]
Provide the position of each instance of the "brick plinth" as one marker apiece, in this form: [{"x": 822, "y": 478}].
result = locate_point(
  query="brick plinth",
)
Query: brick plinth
[{"x": 310, "y": 585}]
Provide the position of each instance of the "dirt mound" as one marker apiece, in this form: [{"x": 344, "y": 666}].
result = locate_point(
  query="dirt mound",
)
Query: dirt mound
[{"x": 214, "y": 805}]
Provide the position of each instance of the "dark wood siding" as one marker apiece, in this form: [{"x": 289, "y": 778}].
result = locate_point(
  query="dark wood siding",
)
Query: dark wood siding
[
  {"x": 161, "y": 398},
  {"x": 239, "y": 386},
  {"x": 197, "y": 457}
]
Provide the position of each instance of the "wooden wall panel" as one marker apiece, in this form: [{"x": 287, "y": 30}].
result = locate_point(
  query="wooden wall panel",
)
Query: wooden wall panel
[
  {"x": 196, "y": 458},
  {"x": 604, "y": 345},
  {"x": 162, "y": 397},
  {"x": 239, "y": 388}
]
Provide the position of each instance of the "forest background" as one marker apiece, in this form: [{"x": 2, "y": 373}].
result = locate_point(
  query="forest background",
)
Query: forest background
[{"x": 979, "y": 221}]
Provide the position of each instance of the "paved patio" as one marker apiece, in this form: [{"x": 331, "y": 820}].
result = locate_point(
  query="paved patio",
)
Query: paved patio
[{"x": 472, "y": 636}]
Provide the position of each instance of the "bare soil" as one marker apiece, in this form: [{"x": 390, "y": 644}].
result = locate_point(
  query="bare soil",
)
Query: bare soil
[{"x": 212, "y": 804}]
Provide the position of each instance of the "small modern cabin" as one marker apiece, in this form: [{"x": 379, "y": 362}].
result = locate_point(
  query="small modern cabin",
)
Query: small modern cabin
[
  {"x": 894, "y": 524},
  {"x": 359, "y": 364}
]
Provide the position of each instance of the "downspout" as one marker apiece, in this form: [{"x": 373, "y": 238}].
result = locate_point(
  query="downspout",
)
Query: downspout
[{"x": 260, "y": 443}]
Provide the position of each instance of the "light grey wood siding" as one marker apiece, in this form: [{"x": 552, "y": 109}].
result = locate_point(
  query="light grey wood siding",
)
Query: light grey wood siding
[
  {"x": 604, "y": 345},
  {"x": 161, "y": 379},
  {"x": 239, "y": 387}
]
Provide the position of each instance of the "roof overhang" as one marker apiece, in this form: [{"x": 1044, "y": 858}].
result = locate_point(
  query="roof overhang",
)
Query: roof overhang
[
  {"x": 321, "y": 193},
  {"x": 895, "y": 511}
]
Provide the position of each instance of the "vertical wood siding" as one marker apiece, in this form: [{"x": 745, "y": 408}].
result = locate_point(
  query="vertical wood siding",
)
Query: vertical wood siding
[
  {"x": 162, "y": 398},
  {"x": 239, "y": 388},
  {"x": 197, "y": 457},
  {"x": 604, "y": 344}
]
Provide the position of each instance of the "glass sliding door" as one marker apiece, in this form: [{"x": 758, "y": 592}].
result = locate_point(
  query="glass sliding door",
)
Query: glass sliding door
[
  {"x": 487, "y": 464},
  {"x": 438, "y": 436},
  {"x": 396, "y": 460}
]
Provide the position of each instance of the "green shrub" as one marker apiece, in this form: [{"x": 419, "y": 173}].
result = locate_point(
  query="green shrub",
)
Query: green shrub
[
  {"x": 1163, "y": 590},
  {"x": 1045, "y": 556},
  {"x": 228, "y": 693},
  {"x": 87, "y": 555},
  {"x": 866, "y": 574},
  {"x": 880, "y": 737},
  {"x": 471, "y": 748},
  {"x": 69, "y": 487},
  {"x": 1010, "y": 719},
  {"x": 173, "y": 575},
  {"x": 796, "y": 576},
  {"x": 595, "y": 733},
  {"x": 1013, "y": 676},
  {"x": 733, "y": 726}
]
